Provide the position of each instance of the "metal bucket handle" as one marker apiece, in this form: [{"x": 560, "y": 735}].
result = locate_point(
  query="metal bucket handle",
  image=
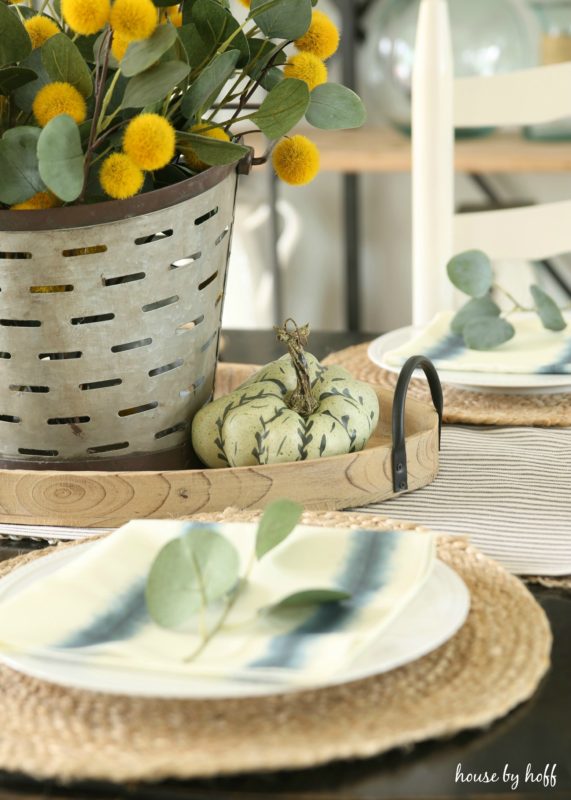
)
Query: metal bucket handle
[{"x": 399, "y": 464}]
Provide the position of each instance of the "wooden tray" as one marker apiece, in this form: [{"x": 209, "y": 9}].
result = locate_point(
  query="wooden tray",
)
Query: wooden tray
[{"x": 109, "y": 499}]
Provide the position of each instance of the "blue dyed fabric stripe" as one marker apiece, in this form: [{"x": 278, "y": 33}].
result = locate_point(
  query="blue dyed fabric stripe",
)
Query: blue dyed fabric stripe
[{"x": 365, "y": 571}]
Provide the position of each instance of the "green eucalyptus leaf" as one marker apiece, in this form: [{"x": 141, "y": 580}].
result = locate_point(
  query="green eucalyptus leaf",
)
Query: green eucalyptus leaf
[
  {"x": 143, "y": 54},
  {"x": 61, "y": 159},
  {"x": 310, "y": 597},
  {"x": 548, "y": 310},
  {"x": 197, "y": 51},
  {"x": 278, "y": 521},
  {"x": 15, "y": 44},
  {"x": 216, "y": 25},
  {"x": 487, "y": 333},
  {"x": 12, "y": 78},
  {"x": 191, "y": 571},
  {"x": 282, "y": 19},
  {"x": 476, "y": 308},
  {"x": 212, "y": 151},
  {"x": 206, "y": 87},
  {"x": 25, "y": 11},
  {"x": 154, "y": 84},
  {"x": 171, "y": 174},
  {"x": 99, "y": 46},
  {"x": 19, "y": 170},
  {"x": 86, "y": 45},
  {"x": 283, "y": 108},
  {"x": 24, "y": 95},
  {"x": 334, "y": 107},
  {"x": 471, "y": 272},
  {"x": 63, "y": 62},
  {"x": 271, "y": 78}
]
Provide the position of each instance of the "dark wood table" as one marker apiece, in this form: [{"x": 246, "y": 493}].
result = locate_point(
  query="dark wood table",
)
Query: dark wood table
[{"x": 537, "y": 733}]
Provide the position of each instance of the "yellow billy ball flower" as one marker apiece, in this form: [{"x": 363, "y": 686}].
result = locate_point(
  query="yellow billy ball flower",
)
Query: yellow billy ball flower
[
  {"x": 38, "y": 201},
  {"x": 306, "y": 67},
  {"x": 149, "y": 141},
  {"x": 58, "y": 98},
  {"x": 40, "y": 29},
  {"x": 188, "y": 152},
  {"x": 322, "y": 38},
  {"x": 86, "y": 17},
  {"x": 119, "y": 46},
  {"x": 134, "y": 19},
  {"x": 296, "y": 160},
  {"x": 119, "y": 177}
]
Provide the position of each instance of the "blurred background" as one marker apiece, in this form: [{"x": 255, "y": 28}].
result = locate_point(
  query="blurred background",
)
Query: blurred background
[{"x": 337, "y": 253}]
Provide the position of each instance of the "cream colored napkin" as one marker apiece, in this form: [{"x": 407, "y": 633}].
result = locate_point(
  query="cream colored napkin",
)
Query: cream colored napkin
[
  {"x": 93, "y": 608},
  {"x": 533, "y": 350}
]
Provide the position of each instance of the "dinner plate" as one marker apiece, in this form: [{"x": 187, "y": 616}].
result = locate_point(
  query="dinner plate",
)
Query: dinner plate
[
  {"x": 433, "y": 616},
  {"x": 499, "y": 383}
]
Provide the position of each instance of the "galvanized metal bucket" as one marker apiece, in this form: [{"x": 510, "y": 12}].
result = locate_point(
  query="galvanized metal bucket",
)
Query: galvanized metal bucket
[{"x": 109, "y": 326}]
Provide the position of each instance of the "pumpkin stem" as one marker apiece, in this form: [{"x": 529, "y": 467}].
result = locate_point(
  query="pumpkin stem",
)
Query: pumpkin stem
[{"x": 302, "y": 399}]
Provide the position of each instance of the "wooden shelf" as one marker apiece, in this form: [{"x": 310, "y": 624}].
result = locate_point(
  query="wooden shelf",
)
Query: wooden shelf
[{"x": 380, "y": 149}]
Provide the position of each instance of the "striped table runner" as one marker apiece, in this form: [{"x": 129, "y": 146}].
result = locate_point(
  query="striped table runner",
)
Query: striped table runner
[{"x": 509, "y": 489}]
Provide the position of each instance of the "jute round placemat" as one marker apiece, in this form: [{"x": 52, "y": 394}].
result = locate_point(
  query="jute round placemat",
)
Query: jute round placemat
[
  {"x": 494, "y": 663},
  {"x": 462, "y": 407}
]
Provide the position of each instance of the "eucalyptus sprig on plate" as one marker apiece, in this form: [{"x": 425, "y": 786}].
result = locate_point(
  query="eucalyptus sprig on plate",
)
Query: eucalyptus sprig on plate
[
  {"x": 200, "y": 571},
  {"x": 481, "y": 322}
]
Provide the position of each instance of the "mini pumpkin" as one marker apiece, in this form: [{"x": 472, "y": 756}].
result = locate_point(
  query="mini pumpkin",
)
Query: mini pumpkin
[{"x": 293, "y": 409}]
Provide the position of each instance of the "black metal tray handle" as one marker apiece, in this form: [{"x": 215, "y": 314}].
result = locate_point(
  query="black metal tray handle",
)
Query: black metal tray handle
[{"x": 400, "y": 474}]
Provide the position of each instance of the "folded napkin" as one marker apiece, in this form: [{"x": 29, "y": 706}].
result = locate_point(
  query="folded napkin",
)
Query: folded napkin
[
  {"x": 93, "y": 608},
  {"x": 533, "y": 350}
]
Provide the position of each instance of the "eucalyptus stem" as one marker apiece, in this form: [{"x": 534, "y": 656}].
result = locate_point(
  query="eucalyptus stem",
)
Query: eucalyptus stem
[
  {"x": 99, "y": 156},
  {"x": 99, "y": 101},
  {"x": 229, "y": 95},
  {"x": 511, "y": 298},
  {"x": 207, "y": 636},
  {"x": 98, "y": 142},
  {"x": 230, "y": 39},
  {"x": 203, "y": 600}
]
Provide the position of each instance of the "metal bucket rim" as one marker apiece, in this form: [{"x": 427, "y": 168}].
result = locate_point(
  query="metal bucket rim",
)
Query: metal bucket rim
[{"x": 82, "y": 216}]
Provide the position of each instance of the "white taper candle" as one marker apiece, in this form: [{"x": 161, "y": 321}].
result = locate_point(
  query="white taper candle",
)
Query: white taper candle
[{"x": 433, "y": 161}]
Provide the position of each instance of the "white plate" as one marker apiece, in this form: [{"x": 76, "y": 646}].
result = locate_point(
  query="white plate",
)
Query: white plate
[
  {"x": 435, "y": 614},
  {"x": 499, "y": 383}
]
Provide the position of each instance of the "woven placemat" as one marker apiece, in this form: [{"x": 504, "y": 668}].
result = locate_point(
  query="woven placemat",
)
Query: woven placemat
[
  {"x": 494, "y": 663},
  {"x": 462, "y": 407}
]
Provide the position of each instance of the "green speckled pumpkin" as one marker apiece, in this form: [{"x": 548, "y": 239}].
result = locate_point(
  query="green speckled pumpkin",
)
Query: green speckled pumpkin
[{"x": 293, "y": 409}]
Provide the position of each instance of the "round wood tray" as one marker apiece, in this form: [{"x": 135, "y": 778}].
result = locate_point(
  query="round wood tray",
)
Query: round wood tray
[{"x": 110, "y": 499}]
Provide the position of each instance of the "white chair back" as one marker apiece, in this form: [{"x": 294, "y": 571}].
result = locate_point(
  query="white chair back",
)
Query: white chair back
[{"x": 440, "y": 104}]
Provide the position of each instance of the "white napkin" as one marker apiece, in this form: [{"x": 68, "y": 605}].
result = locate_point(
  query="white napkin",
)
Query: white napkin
[
  {"x": 533, "y": 350},
  {"x": 93, "y": 609}
]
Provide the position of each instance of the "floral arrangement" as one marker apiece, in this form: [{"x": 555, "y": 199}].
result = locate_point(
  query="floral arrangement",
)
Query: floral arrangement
[
  {"x": 102, "y": 99},
  {"x": 481, "y": 322}
]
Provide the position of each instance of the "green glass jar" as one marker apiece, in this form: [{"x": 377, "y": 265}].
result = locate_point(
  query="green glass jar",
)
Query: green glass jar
[
  {"x": 554, "y": 17},
  {"x": 489, "y": 37}
]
